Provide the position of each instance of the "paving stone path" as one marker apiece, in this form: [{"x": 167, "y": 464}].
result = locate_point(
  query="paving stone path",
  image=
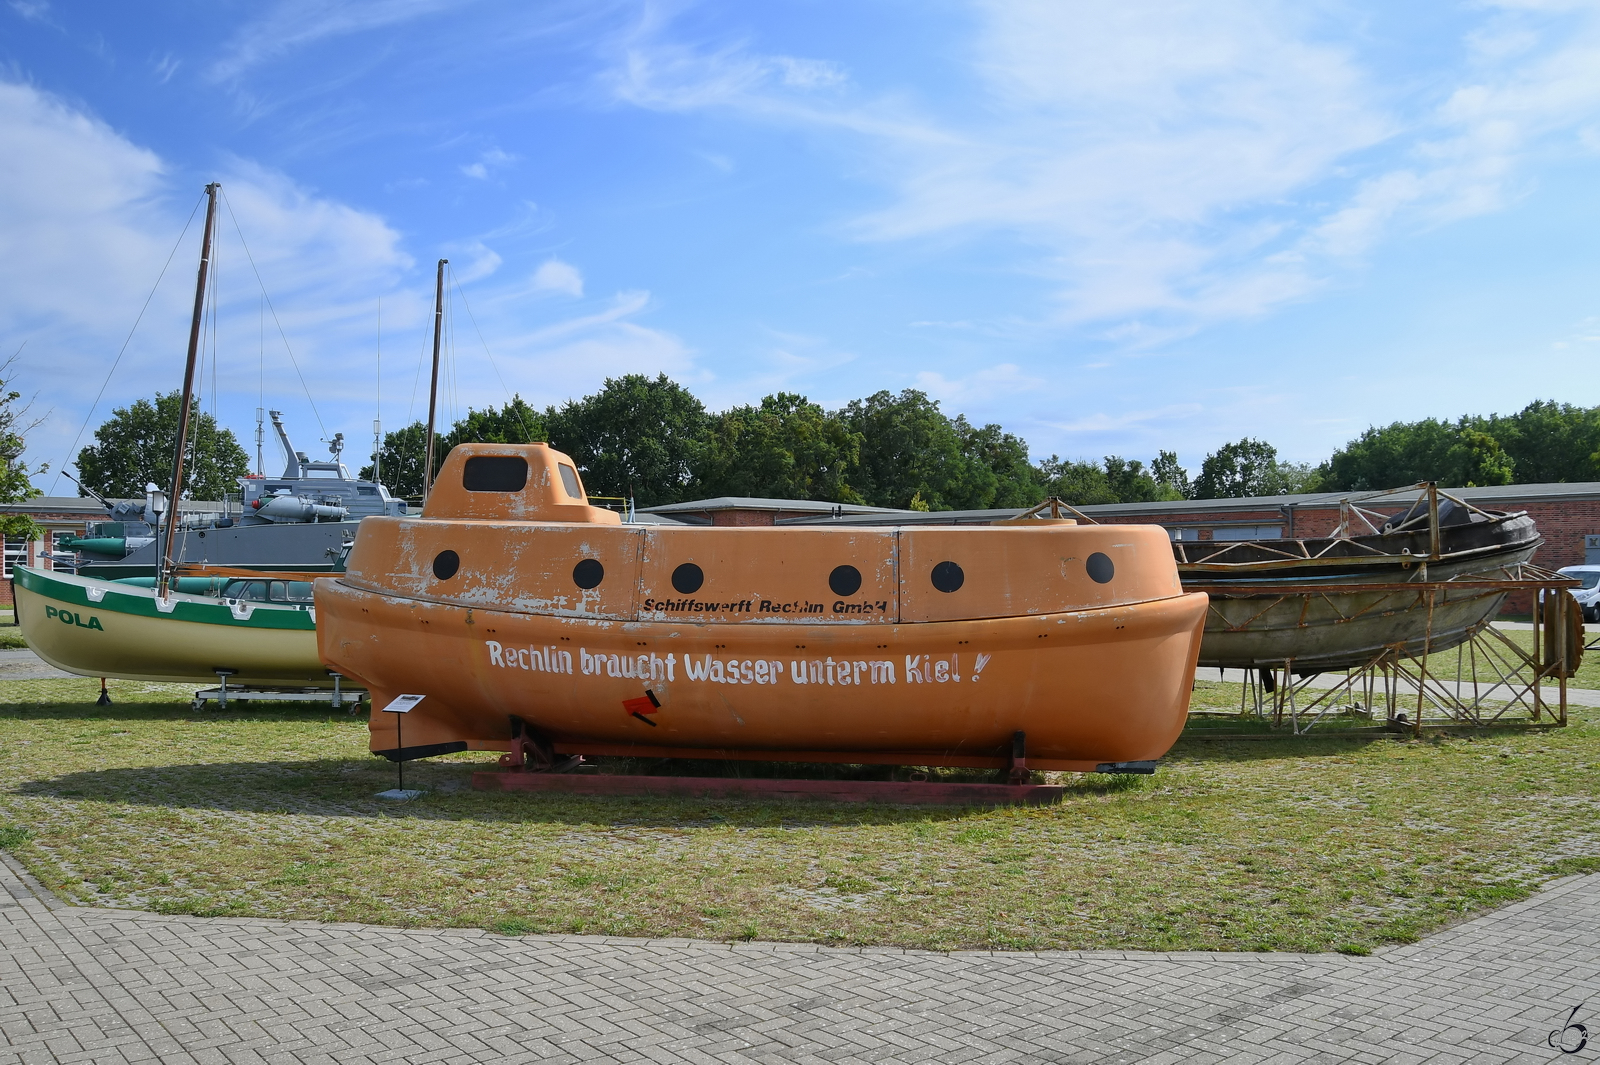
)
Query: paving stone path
[{"x": 86, "y": 985}]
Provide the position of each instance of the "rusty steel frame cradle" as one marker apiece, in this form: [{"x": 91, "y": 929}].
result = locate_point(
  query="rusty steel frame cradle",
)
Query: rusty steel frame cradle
[{"x": 1410, "y": 692}]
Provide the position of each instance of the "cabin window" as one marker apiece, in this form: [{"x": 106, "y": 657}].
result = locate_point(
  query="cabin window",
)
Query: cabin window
[
  {"x": 300, "y": 592},
  {"x": 247, "y": 591},
  {"x": 495, "y": 473},
  {"x": 366, "y": 490},
  {"x": 569, "y": 481}
]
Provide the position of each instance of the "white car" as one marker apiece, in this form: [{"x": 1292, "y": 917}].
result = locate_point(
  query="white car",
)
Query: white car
[{"x": 1588, "y": 596}]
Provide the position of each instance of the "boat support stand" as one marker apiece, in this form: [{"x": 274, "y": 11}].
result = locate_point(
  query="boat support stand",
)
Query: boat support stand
[
  {"x": 339, "y": 698},
  {"x": 533, "y": 753}
]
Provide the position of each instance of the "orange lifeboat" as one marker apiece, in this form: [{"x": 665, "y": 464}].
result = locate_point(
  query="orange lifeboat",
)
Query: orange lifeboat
[{"x": 534, "y": 623}]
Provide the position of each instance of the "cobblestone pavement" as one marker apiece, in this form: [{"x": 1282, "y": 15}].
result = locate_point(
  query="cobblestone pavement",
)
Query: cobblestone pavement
[
  {"x": 117, "y": 986},
  {"x": 22, "y": 664}
]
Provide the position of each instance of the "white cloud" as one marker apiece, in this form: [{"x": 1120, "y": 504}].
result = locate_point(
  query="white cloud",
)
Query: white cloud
[
  {"x": 87, "y": 220},
  {"x": 489, "y": 161},
  {"x": 292, "y": 24},
  {"x": 1169, "y": 163},
  {"x": 32, "y": 10},
  {"x": 981, "y": 387},
  {"x": 554, "y": 275}
]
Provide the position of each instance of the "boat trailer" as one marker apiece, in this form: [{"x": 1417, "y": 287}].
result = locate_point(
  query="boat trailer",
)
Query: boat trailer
[
  {"x": 339, "y": 697},
  {"x": 534, "y": 766}
]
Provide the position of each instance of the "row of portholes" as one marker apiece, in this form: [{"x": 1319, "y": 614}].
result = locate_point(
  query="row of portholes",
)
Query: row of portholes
[{"x": 844, "y": 580}]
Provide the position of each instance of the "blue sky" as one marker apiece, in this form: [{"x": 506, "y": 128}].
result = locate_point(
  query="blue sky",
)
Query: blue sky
[{"x": 1110, "y": 228}]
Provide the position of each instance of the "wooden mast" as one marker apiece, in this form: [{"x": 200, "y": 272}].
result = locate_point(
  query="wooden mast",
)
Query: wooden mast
[
  {"x": 164, "y": 570},
  {"x": 433, "y": 386}
]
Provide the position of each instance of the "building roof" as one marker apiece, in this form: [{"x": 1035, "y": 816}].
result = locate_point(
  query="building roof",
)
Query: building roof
[
  {"x": 1489, "y": 496},
  {"x": 1214, "y": 511},
  {"x": 808, "y": 506},
  {"x": 92, "y": 508}
]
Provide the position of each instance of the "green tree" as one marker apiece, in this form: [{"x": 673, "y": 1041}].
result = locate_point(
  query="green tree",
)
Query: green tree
[
  {"x": 1474, "y": 459},
  {"x": 403, "y": 453},
  {"x": 1078, "y": 483},
  {"x": 1297, "y": 478},
  {"x": 515, "y": 423},
  {"x": 1117, "y": 480},
  {"x": 135, "y": 447},
  {"x": 404, "y": 449},
  {"x": 635, "y": 436},
  {"x": 911, "y": 451},
  {"x": 1244, "y": 468},
  {"x": 1172, "y": 478},
  {"x": 15, "y": 483},
  {"x": 1005, "y": 457},
  {"x": 1457, "y": 455},
  {"x": 1548, "y": 441},
  {"x": 787, "y": 448},
  {"x": 1130, "y": 482}
]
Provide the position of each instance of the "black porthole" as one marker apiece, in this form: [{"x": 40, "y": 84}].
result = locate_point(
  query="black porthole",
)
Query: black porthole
[
  {"x": 445, "y": 564},
  {"x": 688, "y": 578},
  {"x": 1100, "y": 568},
  {"x": 845, "y": 580},
  {"x": 588, "y": 573},
  {"x": 947, "y": 577}
]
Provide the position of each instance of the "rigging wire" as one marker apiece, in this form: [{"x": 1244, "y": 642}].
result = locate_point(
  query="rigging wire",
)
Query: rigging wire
[
  {"x": 450, "y": 359},
  {"x": 494, "y": 365},
  {"x": 261, "y": 378},
  {"x": 377, "y": 397},
  {"x": 209, "y": 327},
  {"x": 72, "y": 451},
  {"x": 422, "y": 354},
  {"x": 257, "y": 270}
]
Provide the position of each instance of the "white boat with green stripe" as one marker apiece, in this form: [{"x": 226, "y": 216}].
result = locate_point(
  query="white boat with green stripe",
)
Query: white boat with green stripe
[{"x": 258, "y": 630}]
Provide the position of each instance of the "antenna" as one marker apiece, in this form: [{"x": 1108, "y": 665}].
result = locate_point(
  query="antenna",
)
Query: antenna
[
  {"x": 261, "y": 436},
  {"x": 377, "y": 450}
]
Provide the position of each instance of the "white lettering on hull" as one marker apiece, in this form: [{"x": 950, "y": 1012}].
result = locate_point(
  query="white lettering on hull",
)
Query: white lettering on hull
[{"x": 709, "y": 669}]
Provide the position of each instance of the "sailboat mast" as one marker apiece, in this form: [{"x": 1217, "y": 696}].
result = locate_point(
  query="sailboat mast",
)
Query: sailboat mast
[
  {"x": 164, "y": 571},
  {"x": 433, "y": 386}
]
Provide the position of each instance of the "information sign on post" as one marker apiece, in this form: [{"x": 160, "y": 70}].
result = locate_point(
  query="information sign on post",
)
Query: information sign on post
[{"x": 402, "y": 705}]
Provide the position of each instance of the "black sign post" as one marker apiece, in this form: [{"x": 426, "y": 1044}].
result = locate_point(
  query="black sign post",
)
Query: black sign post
[{"x": 401, "y": 706}]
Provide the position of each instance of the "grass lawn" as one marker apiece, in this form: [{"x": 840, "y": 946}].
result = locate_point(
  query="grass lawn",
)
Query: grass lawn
[
  {"x": 1281, "y": 844},
  {"x": 10, "y": 635}
]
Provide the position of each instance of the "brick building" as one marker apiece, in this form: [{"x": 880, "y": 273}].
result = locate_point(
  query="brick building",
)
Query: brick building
[{"x": 64, "y": 515}]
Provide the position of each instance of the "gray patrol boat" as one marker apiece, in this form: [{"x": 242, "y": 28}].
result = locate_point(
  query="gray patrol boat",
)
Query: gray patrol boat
[{"x": 302, "y": 520}]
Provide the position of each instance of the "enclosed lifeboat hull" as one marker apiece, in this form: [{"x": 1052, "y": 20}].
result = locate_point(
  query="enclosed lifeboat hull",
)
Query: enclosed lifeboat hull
[{"x": 926, "y": 646}]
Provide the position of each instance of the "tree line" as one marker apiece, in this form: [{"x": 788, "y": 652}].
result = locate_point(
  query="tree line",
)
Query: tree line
[{"x": 651, "y": 440}]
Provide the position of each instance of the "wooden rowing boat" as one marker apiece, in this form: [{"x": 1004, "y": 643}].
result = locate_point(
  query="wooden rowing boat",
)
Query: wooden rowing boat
[{"x": 99, "y": 628}]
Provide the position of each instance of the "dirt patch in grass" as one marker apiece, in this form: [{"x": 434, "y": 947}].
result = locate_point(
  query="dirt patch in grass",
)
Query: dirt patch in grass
[{"x": 1312, "y": 844}]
